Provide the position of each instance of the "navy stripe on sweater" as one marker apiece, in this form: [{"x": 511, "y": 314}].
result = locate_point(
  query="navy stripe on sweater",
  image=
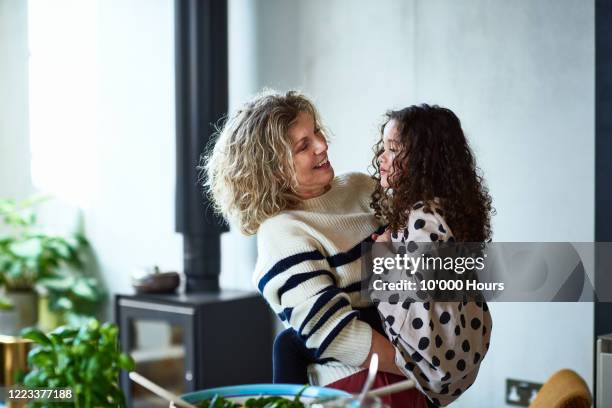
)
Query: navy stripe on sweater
[
  {"x": 339, "y": 259},
  {"x": 285, "y": 315},
  {"x": 342, "y": 302},
  {"x": 355, "y": 287},
  {"x": 343, "y": 258},
  {"x": 327, "y": 295},
  {"x": 286, "y": 263},
  {"x": 334, "y": 333},
  {"x": 299, "y": 278}
]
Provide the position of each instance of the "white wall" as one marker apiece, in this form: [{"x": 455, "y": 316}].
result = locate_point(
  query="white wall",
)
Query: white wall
[
  {"x": 236, "y": 271},
  {"x": 519, "y": 74},
  {"x": 14, "y": 147},
  {"x": 131, "y": 223}
]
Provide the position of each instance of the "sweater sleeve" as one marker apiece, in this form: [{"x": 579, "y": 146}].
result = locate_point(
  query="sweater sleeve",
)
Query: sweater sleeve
[{"x": 294, "y": 276}]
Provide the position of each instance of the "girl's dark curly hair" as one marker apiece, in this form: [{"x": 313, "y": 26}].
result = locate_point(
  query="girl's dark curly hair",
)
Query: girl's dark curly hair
[{"x": 434, "y": 161}]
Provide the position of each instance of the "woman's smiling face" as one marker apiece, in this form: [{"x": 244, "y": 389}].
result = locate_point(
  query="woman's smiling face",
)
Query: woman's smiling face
[
  {"x": 391, "y": 148},
  {"x": 309, "y": 150}
]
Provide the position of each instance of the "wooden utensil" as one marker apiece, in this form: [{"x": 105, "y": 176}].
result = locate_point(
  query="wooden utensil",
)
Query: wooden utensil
[
  {"x": 392, "y": 388},
  {"x": 373, "y": 369},
  {"x": 159, "y": 390}
]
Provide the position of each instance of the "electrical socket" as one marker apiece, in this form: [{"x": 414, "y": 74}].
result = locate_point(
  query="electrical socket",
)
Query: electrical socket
[{"x": 520, "y": 393}]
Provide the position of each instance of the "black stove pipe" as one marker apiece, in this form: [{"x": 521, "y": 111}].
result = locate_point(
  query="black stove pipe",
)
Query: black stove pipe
[{"x": 201, "y": 101}]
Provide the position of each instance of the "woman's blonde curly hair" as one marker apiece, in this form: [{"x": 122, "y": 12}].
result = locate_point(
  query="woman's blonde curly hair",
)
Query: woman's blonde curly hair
[{"x": 249, "y": 171}]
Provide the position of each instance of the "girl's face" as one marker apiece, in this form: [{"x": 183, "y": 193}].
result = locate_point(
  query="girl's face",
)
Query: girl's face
[
  {"x": 391, "y": 148},
  {"x": 309, "y": 150}
]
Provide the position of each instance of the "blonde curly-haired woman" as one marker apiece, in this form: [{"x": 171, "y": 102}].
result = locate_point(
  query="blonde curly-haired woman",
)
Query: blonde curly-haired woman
[{"x": 269, "y": 173}]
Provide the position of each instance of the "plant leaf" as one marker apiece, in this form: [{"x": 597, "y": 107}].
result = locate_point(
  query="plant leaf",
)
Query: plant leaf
[
  {"x": 60, "y": 283},
  {"x": 33, "y": 379},
  {"x": 63, "y": 360},
  {"x": 29, "y": 248},
  {"x": 83, "y": 290},
  {"x": 126, "y": 362},
  {"x": 36, "y": 336},
  {"x": 61, "y": 248},
  {"x": 64, "y": 303},
  {"x": 40, "y": 357},
  {"x": 93, "y": 368},
  {"x": 65, "y": 332}
]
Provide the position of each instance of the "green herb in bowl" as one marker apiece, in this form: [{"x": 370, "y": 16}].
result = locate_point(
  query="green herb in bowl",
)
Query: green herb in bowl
[{"x": 260, "y": 402}]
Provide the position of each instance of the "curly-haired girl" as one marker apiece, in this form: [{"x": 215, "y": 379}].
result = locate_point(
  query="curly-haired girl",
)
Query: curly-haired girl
[{"x": 430, "y": 190}]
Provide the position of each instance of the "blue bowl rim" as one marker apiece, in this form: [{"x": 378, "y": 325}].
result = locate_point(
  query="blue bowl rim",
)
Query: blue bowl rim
[{"x": 255, "y": 390}]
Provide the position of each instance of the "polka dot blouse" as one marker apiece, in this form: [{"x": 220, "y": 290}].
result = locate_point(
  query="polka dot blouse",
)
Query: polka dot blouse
[{"x": 438, "y": 344}]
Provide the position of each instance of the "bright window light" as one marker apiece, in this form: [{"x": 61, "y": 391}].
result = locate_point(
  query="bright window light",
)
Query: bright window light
[{"x": 62, "y": 90}]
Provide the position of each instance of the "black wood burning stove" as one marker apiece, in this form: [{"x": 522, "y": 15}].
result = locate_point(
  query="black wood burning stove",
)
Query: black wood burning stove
[
  {"x": 194, "y": 341},
  {"x": 205, "y": 337}
]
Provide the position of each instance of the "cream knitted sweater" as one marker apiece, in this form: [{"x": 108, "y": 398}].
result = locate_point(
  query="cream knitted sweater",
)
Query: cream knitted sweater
[{"x": 309, "y": 271}]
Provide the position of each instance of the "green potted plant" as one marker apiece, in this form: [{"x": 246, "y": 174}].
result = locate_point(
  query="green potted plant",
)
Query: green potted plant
[
  {"x": 31, "y": 259},
  {"x": 86, "y": 360}
]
